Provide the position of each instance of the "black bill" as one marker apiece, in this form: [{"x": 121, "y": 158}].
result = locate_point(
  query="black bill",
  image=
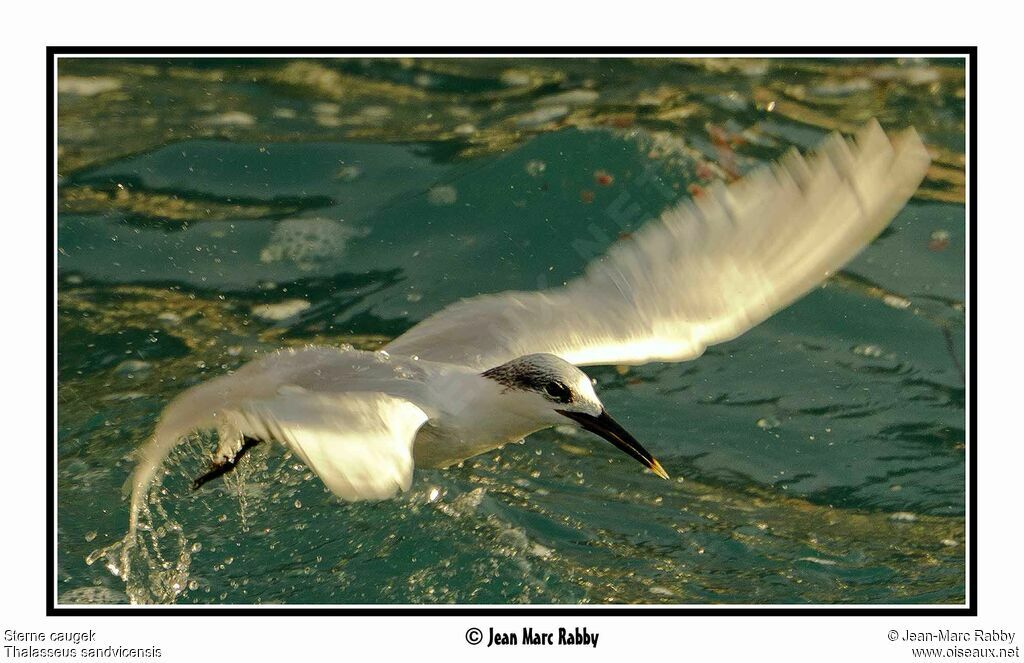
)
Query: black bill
[{"x": 610, "y": 430}]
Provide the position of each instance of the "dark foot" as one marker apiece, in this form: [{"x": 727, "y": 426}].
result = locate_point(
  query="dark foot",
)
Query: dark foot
[{"x": 226, "y": 466}]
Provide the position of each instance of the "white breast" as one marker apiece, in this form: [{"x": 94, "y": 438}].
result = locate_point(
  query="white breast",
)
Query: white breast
[{"x": 472, "y": 415}]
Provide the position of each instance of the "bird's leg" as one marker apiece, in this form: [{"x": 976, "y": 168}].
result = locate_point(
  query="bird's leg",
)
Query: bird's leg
[{"x": 226, "y": 464}]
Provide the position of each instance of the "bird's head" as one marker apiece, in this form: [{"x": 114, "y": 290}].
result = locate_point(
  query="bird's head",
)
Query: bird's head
[{"x": 553, "y": 391}]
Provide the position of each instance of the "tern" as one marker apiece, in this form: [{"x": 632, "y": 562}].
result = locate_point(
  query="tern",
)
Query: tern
[{"x": 495, "y": 368}]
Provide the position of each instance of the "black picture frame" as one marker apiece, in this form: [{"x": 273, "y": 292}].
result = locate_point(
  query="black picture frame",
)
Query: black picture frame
[{"x": 970, "y": 609}]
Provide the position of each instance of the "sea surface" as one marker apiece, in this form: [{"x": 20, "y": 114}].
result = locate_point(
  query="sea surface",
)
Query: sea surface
[{"x": 211, "y": 211}]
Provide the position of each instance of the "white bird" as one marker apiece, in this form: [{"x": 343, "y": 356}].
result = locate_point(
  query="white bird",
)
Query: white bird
[{"x": 493, "y": 369}]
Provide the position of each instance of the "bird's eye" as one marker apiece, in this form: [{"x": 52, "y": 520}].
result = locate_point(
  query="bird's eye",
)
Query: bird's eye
[{"x": 558, "y": 392}]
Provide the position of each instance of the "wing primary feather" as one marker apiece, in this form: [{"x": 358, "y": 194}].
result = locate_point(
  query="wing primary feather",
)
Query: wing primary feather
[
  {"x": 705, "y": 272},
  {"x": 359, "y": 442}
]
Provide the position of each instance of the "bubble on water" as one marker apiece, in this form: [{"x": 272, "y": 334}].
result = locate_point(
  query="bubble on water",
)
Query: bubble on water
[
  {"x": 542, "y": 116},
  {"x": 86, "y": 86},
  {"x": 537, "y": 550},
  {"x": 298, "y": 504},
  {"x": 463, "y": 505},
  {"x": 938, "y": 241},
  {"x": 535, "y": 167},
  {"x": 569, "y": 97},
  {"x": 768, "y": 423},
  {"x": 230, "y": 119},
  {"x": 196, "y": 547},
  {"x": 575, "y": 450},
  {"x": 662, "y": 591},
  {"x": 309, "y": 242},
  {"x": 442, "y": 195},
  {"x": 830, "y": 88},
  {"x": 374, "y": 113},
  {"x": 280, "y": 310},
  {"x": 124, "y": 396},
  {"x": 513, "y": 538},
  {"x": 902, "y": 517},
  {"x": 919, "y": 75},
  {"x": 514, "y": 78},
  {"x": 873, "y": 351},
  {"x": 895, "y": 301},
  {"x": 349, "y": 173},
  {"x": 89, "y": 536},
  {"x": 817, "y": 560},
  {"x": 326, "y": 108},
  {"x": 132, "y": 366},
  {"x": 92, "y": 596}
]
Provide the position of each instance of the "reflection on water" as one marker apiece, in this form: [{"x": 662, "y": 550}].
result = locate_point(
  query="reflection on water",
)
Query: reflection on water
[{"x": 213, "y": 210}]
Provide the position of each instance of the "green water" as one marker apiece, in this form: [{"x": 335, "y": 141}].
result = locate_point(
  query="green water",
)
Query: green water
[{"x": 817, "y": 459}]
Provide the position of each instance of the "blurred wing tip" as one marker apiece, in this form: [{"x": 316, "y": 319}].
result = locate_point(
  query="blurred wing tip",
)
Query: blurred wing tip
[
  {"x": 708, "y": 269},
  {"x": 906, "y": 141},
  {"x": 909, "y": 141}
]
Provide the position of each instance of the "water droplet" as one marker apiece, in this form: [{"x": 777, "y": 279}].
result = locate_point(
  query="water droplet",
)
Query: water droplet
[{"x": 89, "y": 536}]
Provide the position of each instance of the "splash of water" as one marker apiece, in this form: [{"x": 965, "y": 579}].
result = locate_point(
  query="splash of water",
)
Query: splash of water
[{"x": 153, "y": 560}]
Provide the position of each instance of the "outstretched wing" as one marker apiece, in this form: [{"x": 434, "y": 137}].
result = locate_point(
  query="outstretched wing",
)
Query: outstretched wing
[
  {"x": 358, "y": 443},
  {"x": 705, "y": 272}
]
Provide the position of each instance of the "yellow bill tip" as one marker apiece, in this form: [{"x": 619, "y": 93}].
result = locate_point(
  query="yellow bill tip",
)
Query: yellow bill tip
[{"x": 658, "y": 469}]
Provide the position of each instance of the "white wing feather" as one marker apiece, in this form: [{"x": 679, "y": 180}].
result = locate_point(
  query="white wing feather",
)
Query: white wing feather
[
  {"x": 351, "y": 416},
  {"x": 704, "y": 273},
  {"x": 359, "y": 444}
]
